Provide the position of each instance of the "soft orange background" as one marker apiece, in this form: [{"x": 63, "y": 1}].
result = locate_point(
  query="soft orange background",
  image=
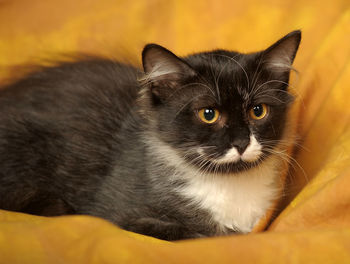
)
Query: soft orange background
[{"x": 315, "y": 225}]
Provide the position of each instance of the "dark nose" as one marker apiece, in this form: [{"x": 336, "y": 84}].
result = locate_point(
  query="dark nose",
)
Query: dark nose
[{"x": 241, "y": 144}]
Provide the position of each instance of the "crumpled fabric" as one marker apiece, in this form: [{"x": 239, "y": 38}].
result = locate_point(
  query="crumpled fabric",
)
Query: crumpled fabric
[{"x": 313, "y": 220}]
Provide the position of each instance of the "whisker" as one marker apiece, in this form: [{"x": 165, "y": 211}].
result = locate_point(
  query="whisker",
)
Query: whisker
[
  {"x": 270, "y": 81},
  {"x": 186, "y": 104},
  {"x": 285, "y": 142},
  {"x": 288, "y": 158},
  {"x": 234, "y": 60},
  {"x": 188, "y": 85},
  {"x": 215, "y": 80},
  {"x": 255, "y": 77}
]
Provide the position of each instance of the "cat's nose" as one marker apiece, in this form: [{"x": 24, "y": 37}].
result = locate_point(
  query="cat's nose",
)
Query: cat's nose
[{"x": 241, "y": 144}]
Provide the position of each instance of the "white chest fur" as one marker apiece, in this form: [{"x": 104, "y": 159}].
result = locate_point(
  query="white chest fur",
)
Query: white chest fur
[{"x": 235, "y": 201}]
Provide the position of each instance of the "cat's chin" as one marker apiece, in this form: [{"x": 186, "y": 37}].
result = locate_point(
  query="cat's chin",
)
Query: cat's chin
[{"x": 213, "y": 167}]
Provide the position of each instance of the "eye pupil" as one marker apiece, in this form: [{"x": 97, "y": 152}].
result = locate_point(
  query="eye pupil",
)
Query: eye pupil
[
  {"x": 258, "y": 110},
  {"x": 209, "y": 114}
]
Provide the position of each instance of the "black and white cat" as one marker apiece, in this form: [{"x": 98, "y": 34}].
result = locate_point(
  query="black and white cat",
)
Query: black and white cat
[{"x": 191, "y": 148}]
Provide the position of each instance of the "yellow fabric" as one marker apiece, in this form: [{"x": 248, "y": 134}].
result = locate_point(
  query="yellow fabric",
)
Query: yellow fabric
[{"x": 315, "y": 225}]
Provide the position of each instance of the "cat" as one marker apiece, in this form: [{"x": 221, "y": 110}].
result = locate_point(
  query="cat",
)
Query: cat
[{"x": 188, "y": 148}]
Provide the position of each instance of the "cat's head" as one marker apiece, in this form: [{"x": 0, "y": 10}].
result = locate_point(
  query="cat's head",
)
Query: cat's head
[{"x": 222, "y": 111}]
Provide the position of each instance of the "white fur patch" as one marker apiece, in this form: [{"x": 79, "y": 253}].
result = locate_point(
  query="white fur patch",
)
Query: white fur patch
[
  {"x": 231, "y": 155},
  {"x": 235, "y": 201},
  {"x": 252, "y": 153},
  {"x": 161, "y": 69}
]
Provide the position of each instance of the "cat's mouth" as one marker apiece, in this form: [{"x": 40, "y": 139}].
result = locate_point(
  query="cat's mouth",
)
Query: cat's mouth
[
  {"x": 215, "y": 167},
  {"x": 231, "y": 161}
]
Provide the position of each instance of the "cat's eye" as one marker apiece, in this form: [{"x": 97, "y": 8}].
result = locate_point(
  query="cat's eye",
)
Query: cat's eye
[
  {"x": 208, "y": 115},
  {"x": 258, "y": 112}
]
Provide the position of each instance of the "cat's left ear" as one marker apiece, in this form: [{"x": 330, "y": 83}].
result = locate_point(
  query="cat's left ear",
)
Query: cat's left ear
[
  {"x": 280, "y": 56},
  {"x": 163, "y": 69}
]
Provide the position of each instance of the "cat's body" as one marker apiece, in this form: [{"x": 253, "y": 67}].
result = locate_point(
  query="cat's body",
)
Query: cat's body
[{"x": 87, "y": 138}]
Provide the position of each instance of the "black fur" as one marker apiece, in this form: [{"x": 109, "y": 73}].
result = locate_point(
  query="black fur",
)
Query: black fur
[{"x": 74, "y": 137}]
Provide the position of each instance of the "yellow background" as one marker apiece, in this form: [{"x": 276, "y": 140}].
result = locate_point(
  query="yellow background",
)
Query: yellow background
[{"x": 314, "y": 227}]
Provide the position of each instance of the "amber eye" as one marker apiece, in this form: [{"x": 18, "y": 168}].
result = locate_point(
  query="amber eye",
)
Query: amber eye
[
  {"x": 258, "y": 112},
  {"x": 208, "y": 115}
]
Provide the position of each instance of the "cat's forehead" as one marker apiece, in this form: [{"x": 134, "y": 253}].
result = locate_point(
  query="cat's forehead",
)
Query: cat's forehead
[
  {"x": 221, "y": 61},
  {"x": 226, "y": 71}
]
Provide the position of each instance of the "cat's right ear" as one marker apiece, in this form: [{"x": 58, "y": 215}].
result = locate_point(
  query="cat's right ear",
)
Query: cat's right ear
[
  {"x": 280, "y": 56},
  {"x": 163, "y": 69}
]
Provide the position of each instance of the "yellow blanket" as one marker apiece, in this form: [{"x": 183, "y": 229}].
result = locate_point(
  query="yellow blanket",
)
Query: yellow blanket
[{"x": 315, "y": 225}]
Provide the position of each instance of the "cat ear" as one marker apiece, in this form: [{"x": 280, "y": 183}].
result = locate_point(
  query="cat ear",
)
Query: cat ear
[
  {"x": 161, "y": 66},
  {"x": 280, "y": 56}
]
